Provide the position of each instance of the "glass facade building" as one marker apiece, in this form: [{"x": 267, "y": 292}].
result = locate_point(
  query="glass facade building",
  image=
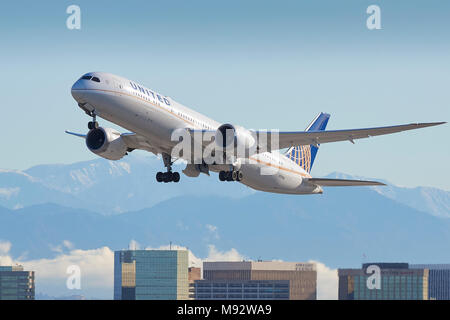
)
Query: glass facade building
[
  {"x": 438, "y": 280},
  {"x": 16, "y": 284},
  {"x": 242, "y": 290},
  {"x": 151, "y": 275},
  {"x": 397, "y": 282},
  {"x": 256, "y": 280}
]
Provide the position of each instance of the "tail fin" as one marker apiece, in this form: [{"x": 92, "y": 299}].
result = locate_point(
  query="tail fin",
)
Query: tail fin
[{"x": 304, "y": 155}]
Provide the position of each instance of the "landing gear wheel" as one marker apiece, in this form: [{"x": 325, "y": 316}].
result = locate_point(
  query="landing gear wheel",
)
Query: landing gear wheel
[
  {"x": 92, "y": 125},
  {"x": 230, "y": 176},
  {"x": 167, "y": 176}
]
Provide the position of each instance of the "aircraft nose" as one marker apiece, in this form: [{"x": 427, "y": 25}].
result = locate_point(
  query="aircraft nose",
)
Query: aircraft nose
[{"x": 77, "y": 90}]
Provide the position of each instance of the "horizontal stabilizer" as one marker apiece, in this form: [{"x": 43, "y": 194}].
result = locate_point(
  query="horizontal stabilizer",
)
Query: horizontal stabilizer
[
  {"x": 81, "y": 135},
  {"x": 343, "y": 182}
]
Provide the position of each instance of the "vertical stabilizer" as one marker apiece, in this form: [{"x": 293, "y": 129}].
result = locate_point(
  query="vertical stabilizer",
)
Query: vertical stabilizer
[{"x": 304, "y": 155}]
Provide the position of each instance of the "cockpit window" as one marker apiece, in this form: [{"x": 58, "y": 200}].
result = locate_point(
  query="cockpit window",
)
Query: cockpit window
[
  {"x": 86, "y": 77},
  {"x": 95, "y": 79}
]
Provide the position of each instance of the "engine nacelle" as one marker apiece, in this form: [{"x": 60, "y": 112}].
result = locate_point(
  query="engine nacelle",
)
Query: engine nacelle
[
  {"x": 106, "y": 143},
  {"x": 231, "y": 137}
]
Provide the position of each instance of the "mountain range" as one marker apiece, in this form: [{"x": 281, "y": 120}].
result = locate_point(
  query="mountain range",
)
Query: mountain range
[
  {"x": 101, "y": 203},
  {"x": 112, "y": 187}
]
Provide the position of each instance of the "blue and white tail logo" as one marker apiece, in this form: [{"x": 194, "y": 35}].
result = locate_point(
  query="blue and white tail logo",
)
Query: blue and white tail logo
[{"x": 304, "y": 155}]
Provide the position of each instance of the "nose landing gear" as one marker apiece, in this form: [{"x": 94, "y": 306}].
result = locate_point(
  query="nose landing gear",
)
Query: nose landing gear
[{"x": 93, "y": 124}]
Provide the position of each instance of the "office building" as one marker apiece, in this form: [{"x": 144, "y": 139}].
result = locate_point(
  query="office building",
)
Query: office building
[
  {"x": 257, "y": 280},
  {"x": 194, "y": 274},
  {"x": 16, "y": 284},
  {"x": 151, "y": 275},
  {"x": 438, "y": 280},
  {"x": 396, "y": 282}
]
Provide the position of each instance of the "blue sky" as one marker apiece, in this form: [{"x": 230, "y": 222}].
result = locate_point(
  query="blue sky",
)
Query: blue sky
[{"x": 254, "y": 63}]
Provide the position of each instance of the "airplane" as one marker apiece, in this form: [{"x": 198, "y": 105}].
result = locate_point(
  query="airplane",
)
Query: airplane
[{"x": 152, "y": 119}]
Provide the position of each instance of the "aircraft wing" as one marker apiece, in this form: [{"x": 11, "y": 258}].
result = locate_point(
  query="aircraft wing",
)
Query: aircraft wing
[
  {"x": 131, "y": 139},
  {"x": 343, "y": 182},
  {"x": 135, "y": 141},
  {"x": 288, "y": 139}
]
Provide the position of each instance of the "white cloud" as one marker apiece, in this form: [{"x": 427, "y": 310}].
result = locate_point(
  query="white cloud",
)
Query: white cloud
[
  {"x": 215, "y": 255},
  {"x": 213, "y": 230},
  {"x": 96, "y": 266},
  {"x": 5, "y": 246},
  {"x": 230, "y": 255},
  {"x": 5, "y": 259},
  {"x": 57, "y": 248},
  {"x": 66, "y": 244},
  {"x": 134, "y": 245},
  {"x": 327, "y": 282},
  {"x": 69, "y": 245}
]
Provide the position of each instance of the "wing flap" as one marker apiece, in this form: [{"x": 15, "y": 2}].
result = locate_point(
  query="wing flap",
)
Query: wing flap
[
  {"x": 343, "y": 182},
  {"x": 136, "y": 141}
]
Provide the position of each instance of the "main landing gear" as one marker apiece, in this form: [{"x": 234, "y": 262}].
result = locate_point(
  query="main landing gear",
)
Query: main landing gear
[
  {"x": 168, "y": 176},
  {"x": 93, "y": 124},
  {"x": 230, "y": 175}
]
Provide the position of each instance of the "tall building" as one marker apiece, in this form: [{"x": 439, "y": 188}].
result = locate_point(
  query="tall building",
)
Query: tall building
[
  {"x": 397, "y": 282},
  {"x": 194, "y": 274},
  {"x": 16, "y": 284},
  {"x": 438, "y": 280},
  {"x": 257, "y": 280},
  {"x": 151, "y": 275}
]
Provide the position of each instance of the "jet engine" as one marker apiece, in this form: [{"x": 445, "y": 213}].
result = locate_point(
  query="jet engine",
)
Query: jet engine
[
  {"x": 106, "y": 143},
  {"x": 231, "y": 137}
]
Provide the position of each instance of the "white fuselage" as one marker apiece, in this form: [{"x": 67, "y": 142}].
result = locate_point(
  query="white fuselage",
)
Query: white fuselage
[{"x": 155, "y": 117}]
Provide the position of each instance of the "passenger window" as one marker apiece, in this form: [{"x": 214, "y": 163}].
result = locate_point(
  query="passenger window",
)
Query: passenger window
[{"x": 95, "y": 79}]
